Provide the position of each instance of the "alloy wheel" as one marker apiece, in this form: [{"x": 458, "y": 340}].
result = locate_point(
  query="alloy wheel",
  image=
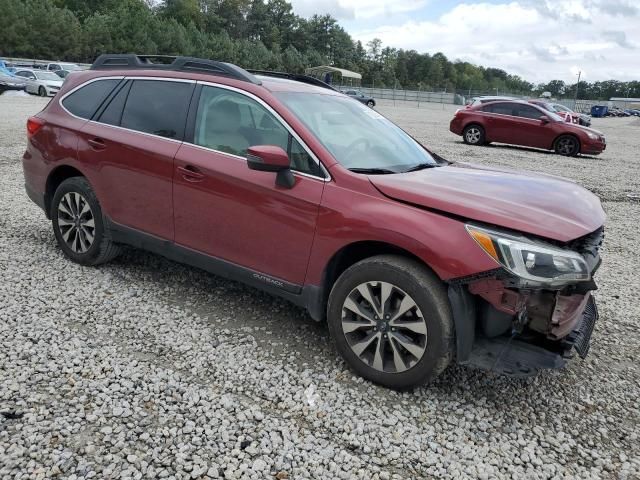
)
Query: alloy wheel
[
  {"x": 566, "y": 146},
  {"x": 76, "y": 222},
  {"x": 384, "y": 327},
  {"x": 473, "y": 135}
]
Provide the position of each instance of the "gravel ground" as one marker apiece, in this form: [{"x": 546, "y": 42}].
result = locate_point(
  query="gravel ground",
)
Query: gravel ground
[{"x": 144, "y": 368}]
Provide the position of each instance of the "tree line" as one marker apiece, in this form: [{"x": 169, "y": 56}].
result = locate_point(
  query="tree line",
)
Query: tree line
[{"x": 259, "y": 34}]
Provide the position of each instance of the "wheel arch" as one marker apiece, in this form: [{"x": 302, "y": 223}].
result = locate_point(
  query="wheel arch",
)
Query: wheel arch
[
  {"x": 567, "y": 134},
  {"x": 341, "y": 260},
  {"x": 475, "y": 123},
  {"x": 55, "y": 178}
]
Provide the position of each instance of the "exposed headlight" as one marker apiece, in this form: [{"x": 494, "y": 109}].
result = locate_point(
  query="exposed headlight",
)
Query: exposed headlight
[
  {"x": 593, "y": 136},
  {"x": 535, "y": 262}
]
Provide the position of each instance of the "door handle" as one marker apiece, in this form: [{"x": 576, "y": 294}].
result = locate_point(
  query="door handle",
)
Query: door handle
[
  {"x": 191, "y": 173},
  {"x": 97, "y": 143}
]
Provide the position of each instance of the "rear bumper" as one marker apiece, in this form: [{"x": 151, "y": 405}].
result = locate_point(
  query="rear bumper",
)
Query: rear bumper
[{"x": 36, "y": 197}]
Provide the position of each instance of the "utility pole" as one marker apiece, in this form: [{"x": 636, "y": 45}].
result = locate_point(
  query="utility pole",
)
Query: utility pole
[{"x": 575, "y": 100}]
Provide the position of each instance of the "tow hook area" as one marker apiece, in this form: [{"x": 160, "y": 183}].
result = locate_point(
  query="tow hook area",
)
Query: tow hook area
[{"x": 519, "y": 332}]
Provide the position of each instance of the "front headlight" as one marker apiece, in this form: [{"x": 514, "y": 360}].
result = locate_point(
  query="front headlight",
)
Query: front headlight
[
  {"x": 535, "y": 262},
  {"x": 592, "y": 136}
]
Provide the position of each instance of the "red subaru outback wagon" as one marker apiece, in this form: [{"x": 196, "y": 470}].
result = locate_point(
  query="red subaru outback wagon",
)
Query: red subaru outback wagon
[{"x": 279, "y": 181}]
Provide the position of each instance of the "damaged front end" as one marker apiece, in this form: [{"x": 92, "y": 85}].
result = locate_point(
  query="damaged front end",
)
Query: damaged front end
[{"x": 533, "y": 312}]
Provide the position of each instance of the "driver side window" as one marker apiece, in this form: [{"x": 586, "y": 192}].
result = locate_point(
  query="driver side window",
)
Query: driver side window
[{"x": 230, "y": 122}]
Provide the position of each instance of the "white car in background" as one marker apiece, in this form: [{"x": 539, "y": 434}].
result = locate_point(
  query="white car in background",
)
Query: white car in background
[
  {"x": 69, "y": 67},
  {"x": 40, "y": 82}
]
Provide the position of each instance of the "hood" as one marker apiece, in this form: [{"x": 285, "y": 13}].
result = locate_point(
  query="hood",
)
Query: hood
[
  {"x": 53, "y": 83},
  {"x": 542, "y": 205},
  {"x": 589, "y": 129}
]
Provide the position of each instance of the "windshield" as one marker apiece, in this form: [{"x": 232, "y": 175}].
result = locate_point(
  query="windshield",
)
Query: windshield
[
  {"x": 553, "y": 115},
  {"x": 46, "y": 76},
  {"x": 560, "y": 108},
  {"x": 357, "y": 136}
]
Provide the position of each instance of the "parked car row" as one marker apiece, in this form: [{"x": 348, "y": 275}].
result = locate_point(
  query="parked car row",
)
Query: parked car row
[
  {"x": 526, "y": 123},
  {"x": 618, "y": 112},
  {"x": 563, "y": 111},
  {"x": 60, "y": 69}
]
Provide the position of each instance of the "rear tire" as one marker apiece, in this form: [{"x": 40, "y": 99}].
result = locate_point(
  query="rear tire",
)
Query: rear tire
[
  {"x": 473, "y": 135},
  {"x": 78, "y": 224},
  {"x": 567, "y": 145},
  {"x": 42, "y": 92},
  {"x": 371, "y": 104},
  {"x": 378, "y": 339}
]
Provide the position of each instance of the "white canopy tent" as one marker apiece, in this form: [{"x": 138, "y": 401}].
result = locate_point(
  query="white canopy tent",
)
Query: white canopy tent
[{"x": 328, "y": 74}]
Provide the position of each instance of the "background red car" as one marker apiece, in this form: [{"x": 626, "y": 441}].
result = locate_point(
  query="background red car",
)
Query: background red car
[{"x": 526, "y": 124}]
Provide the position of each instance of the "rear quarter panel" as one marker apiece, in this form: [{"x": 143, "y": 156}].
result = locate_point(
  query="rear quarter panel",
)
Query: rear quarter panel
[{"x": 53, "y": 145}]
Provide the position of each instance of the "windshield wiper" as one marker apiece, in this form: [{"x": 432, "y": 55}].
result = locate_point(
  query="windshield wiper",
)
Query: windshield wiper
[
  {"x": 372, "y": 171},
  {"x": 421, "y": 166}
]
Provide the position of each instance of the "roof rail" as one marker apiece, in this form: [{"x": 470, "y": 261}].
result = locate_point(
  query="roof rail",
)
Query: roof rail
[
  {"x": 166, "y": 62},
  {"x": 298, "y": 77}
]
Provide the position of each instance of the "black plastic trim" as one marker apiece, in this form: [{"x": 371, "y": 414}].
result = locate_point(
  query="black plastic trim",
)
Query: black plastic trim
[
  {"x": 37, "y": 198},
  {"x": 464, "y": 313},
  {"x": 190, "y": 129},
  {"x": 309, "y": 296},
  {"x": 315, "y": 302}
]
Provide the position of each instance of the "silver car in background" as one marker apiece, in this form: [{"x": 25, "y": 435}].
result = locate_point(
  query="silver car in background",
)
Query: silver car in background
[
  {"x": 40, "y": 82},
  {"x": 9, "y": 82}
]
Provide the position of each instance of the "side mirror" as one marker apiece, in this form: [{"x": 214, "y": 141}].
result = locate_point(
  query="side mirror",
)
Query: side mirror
[
  {"x": 271, "y": 158},
  {"x": 544, "y": 119}
]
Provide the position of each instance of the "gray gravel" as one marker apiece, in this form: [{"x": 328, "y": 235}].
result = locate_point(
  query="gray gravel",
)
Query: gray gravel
[{"x": 144, "y": 368}]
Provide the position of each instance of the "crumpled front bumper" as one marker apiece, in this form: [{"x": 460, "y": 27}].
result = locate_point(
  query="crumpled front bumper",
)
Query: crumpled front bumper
[
  {"x": 518, "y": 358},
  {"x": 580, "y": 337}
]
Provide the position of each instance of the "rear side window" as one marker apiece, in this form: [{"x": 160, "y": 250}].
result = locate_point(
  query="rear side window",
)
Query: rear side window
[
  {"x": 112, "y": 114},
  {"x": 499, "y": 108},
  {"x": 85, "y": 101},
  {"x": 157, "y": 107},
  {"x": 526, "y": 111}
]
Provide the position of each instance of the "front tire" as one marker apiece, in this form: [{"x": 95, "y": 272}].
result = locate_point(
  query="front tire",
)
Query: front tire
[
  {"x": 371, "y": 104},
  {"x": 78, "y": 223},
  {"x": 474, "y": 135},
  {"x": 42, "y": 92},
  {"x": 390, "y": 320},
  {"x": 567, "y": 146}
]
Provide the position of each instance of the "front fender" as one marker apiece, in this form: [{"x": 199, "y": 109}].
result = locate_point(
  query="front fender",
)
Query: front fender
[{"x": 441, "y": 242}]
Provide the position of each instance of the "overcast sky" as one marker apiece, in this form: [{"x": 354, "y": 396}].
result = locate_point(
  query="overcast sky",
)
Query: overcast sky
[{"x": 540, "y": 40}]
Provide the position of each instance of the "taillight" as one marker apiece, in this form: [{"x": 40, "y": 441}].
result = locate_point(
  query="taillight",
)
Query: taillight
[{"x": 33, "y": 125}]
